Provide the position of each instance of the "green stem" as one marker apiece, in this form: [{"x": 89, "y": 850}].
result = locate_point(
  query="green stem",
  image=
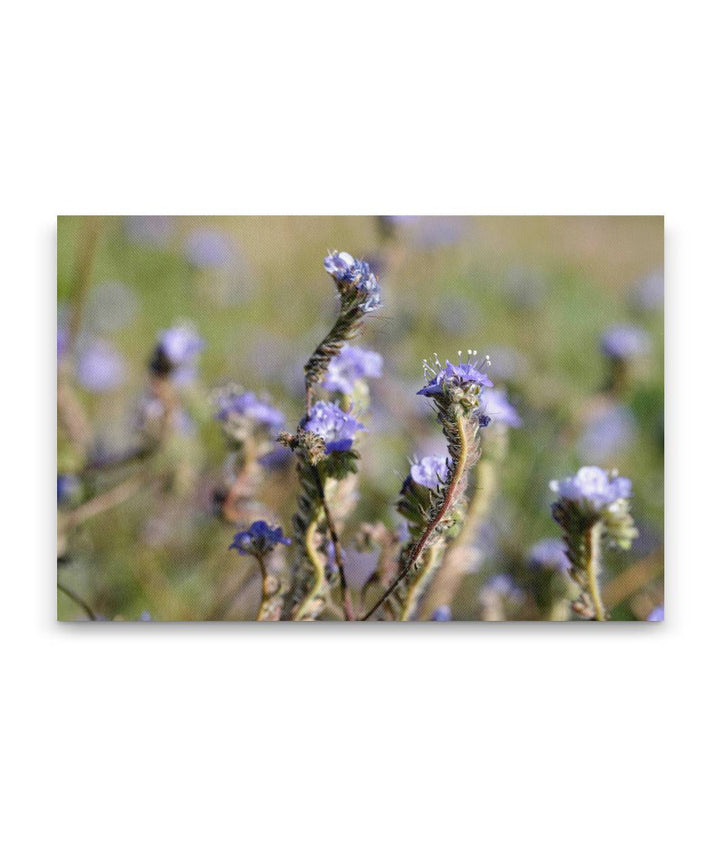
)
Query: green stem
[
  {"x": 78, "y": 600},
  {"x": 419, "y": 546},
  {"x": 417, "y": 588},
  {"x": 318, "y": 571},
  {"x": 592, "y": 553}
]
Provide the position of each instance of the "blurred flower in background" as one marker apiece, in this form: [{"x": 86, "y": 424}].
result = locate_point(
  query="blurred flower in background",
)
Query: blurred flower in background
[
  {"x": 209, "y": 248},
  {"x": 154, "y": 231},
  {"x": 100, "y": 367},
  {"x": 497, "y": 408},
  {"x": 624, "y": 342},
  {"x": 351, "y": 364},
  {"x": 609, "y": 434},
  {"x": 549, "y": 554},
  {"x": 430, "y": 471},
  {"x": 649, "y": 294}
]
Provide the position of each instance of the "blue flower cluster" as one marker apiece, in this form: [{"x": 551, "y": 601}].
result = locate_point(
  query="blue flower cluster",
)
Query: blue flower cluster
[
  {"x": 336, "y": 427},
  {"x": 351, "y": 364},
  {"x": 498, "y": 409},
  {"x": 593, "y": 488},
  {"x": 623, "y": 342},
  {"x": 430, "y": 471},
  {"x": 549, "y": 554},
  {"x": 351, "y": 273},
  {"x": 259, "y": 540},
  {"x": 464, "y": 375},
  {"x": 248, "y": 405}
]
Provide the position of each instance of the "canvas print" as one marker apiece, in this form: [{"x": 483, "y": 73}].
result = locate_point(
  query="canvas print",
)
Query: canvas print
[{"x": 360, "y": 419}]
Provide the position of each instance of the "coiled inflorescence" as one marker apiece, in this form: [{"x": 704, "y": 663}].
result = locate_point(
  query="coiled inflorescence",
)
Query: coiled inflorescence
[
  {"x": 430, "y": 496},
  {"x": 359, "y": 294}
]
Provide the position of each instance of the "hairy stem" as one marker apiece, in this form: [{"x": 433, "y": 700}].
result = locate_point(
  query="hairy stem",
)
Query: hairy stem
[
  {"x": 418, "y": 587},
  {"x": 318, "y": 571},
  {"x": 415, "y": 553},
  {"x": 446, "y": 582},
  {"x": 592, "y": 552}
]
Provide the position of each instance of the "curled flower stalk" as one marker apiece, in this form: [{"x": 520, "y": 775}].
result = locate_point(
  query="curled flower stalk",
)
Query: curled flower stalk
[
  {"x": 359, "y": 294},
  {"x": 323, "y": 442},
  {"x": 592, "y": 508},
  {"x": 455, "y": 391}
]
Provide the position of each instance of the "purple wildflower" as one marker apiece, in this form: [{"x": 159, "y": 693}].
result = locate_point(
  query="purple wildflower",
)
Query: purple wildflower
[
  {"x": 608, "y": 434},
  {"x": 100, "y": 368},
  {"x": 430, "y": 471},
  {"x": 177, "y": 351},
  {"x": 593, "y": 488},
  {"x": 208, "y": 248},
  {"x": 258, "y": 540},
  {"x": 247, "y": 404},
  {"x": 442, "y": 613},
  {"x": 351, "y": 364},
  {"x": 649, "y": 293},
  {"x": 155, "y": 231},
  {"x": 464, "y": 375},
  {"x": 499, "y": 410},
  {"x": 358, "y": 565},
  {"x": 336, "y": 427},
  {"x": 657, "y": 614},
  {"x": 623, "y": 342},
  {"x": 549, "y": 554},
  {"x": 350, "y": 273}
]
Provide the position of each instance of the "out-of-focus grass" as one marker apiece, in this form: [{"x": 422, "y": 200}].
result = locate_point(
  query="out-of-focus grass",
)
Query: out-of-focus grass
[{"x": 169, "y": 554}]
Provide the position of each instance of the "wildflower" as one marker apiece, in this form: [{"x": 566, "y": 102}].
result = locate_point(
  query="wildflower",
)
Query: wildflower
[
  {"x": 430, "y": 471},
  {"x": 623, "y": 342},
  {"x": 68, "y": 488},
  {"x": 208, "y": 248},
  {"x": 351, "y": 364},
  {"x": 657, "y": 614},
  {"x": 332, "y": 425},
  {"x": 177, "y": 351},
  {"x": 232, "y": 405},
  {"x": 100, "y": 368},
  {"x": 592, "y": 507},
  {"x": 359, "y": 565},
  {"x": 442, "y": 613},
  {"x": 259, "y": 540},
  {"x": 354, "y": 277},
  {"x": 608, "y": 434},
  {"x": 464, "y": 376},
  {"x": 649, "y": 293},
  {"x": 593, "y": 489},
  {"x": 154, "y": 231},
  {"x": 498, "y": 409},
  {"x": 549, "y": 554}
]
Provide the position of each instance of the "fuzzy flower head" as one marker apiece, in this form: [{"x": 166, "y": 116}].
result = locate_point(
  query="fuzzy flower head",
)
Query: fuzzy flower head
[
  {"x": 498, "y": 409},
  {"x": 354, "y": 278},
  {"x": 625, "y": 342},
  {"x": 462, "y": 383},
  {"x": 177, "y": 350},
  {"x": 442, "y": 613},
  {"x": 593, "y": 488},
  {"x": 333, "y": 425},
  {"x": 259, "y": 540},
  {"x": 430, "y": 471},
  {"x": 351, "y": 364},
  {"x": 236, "y": 406}
]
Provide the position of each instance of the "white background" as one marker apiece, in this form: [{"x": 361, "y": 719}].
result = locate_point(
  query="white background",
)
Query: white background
[{"x": 455, "y": 739}]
